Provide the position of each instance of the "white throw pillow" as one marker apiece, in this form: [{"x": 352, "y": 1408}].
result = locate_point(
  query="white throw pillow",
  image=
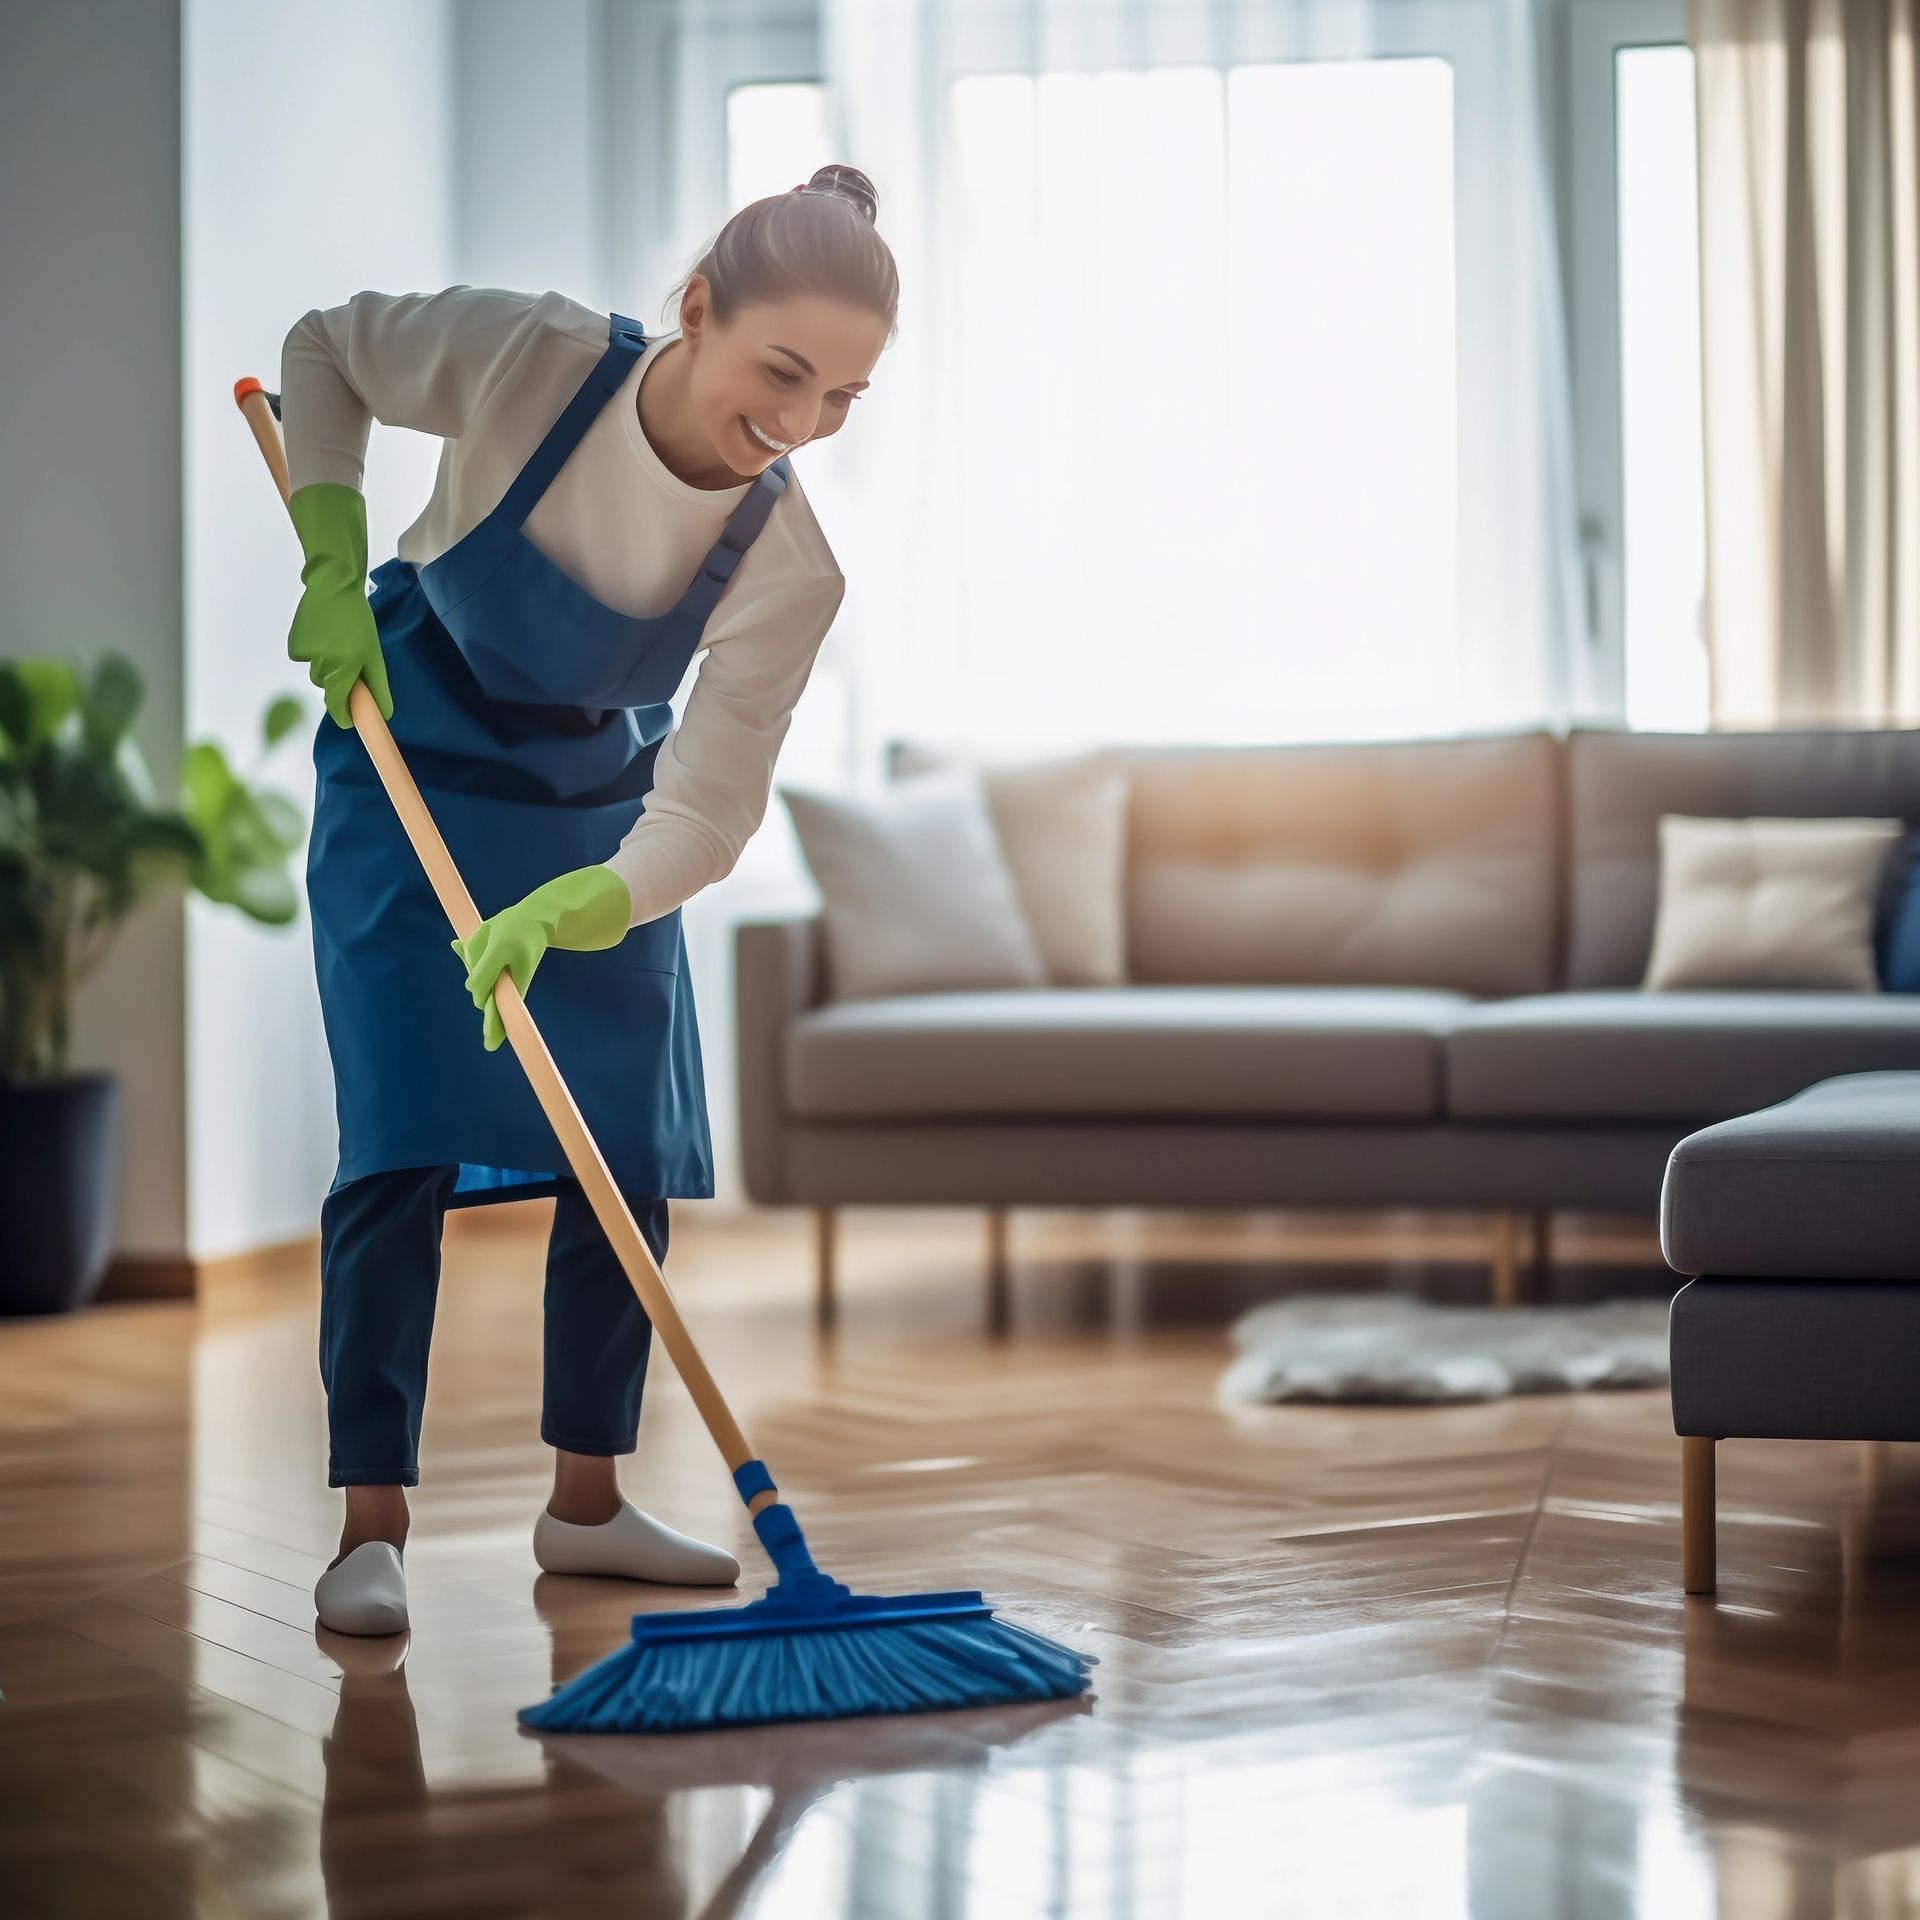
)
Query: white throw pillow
[
  {"x": 1062, "y": 824},
  {"x": 916, "y": 892},
  {"x": 1768, "y": 903}
]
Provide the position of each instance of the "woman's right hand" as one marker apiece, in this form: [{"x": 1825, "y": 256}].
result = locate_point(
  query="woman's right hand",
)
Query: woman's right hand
[{"x": 333, "y": 626}]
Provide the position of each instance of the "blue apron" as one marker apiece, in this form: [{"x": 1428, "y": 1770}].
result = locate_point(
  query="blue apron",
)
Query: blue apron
[{"x": 529, "y": 714}]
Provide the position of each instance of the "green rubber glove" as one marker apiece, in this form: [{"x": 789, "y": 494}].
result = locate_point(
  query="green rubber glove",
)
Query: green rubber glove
[
  {"x": 587, "y": 908},
  {"x": 333, "y": 625}
]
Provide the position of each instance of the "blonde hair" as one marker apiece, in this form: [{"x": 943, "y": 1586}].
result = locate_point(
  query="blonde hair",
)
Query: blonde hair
[{"x": 818, "y": 238}]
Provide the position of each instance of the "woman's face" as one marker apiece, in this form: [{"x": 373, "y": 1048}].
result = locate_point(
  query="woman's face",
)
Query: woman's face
[{"x": 792, "y": 369}]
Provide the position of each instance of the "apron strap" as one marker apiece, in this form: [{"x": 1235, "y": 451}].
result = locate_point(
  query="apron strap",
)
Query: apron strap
[
  {"x": 625, "y": 344},
  {"x": 743, "y": 527}
]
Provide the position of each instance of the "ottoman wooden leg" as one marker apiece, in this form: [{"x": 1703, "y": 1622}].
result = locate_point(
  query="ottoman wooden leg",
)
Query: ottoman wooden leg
[{"x": 1696, "y": 1515}]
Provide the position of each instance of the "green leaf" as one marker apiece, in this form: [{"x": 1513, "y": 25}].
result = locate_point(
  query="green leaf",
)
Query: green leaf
[
  {"x": 111, "y": 702},
  {"x": 265, "y": 893},
  {"x": 35, "y": 697},
  {"x": 285, "y": 821},
  {"x": 250, "y": 840},
  {"x": 165, "y": 833},
  {"x": 206, "y": 783},
  {"x": 283, "y": 716}
]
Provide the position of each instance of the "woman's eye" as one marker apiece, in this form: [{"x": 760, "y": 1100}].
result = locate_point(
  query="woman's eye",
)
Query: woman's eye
[{"x": 787, "y": 379}]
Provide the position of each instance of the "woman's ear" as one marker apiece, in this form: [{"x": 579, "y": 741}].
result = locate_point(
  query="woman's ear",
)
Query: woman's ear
[{"x": 693, "y": 307}]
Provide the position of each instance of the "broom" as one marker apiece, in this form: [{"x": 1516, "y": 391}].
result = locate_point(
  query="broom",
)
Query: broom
[{"x": 809, "y": 1649}]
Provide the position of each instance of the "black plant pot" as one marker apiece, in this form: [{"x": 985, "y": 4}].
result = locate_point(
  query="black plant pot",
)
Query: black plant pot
[{"x": 59, "y": 1176}]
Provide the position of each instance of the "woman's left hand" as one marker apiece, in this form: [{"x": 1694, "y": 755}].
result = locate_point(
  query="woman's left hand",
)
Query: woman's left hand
[{"x": 587, "y": 908}]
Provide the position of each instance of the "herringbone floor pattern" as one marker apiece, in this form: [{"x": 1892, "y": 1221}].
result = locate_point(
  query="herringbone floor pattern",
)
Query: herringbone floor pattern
[{"x": 1353, "y": 1662}]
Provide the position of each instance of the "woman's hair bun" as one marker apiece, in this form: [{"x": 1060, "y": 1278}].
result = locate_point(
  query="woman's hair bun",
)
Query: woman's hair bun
[
  {"x": 773, "y": 249},
  {"x": 849, "y": 183}
]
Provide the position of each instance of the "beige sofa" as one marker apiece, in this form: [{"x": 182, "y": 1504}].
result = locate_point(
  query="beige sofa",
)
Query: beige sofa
[{"x": 1383, "y": 975}]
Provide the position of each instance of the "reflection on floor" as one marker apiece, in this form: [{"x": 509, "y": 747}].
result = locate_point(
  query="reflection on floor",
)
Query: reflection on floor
[{"x": 1352, "y": 1662}]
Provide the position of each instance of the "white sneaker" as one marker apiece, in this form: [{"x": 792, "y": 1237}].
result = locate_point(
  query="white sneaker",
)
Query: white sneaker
[
  {"x": 366, "y": 1592},
  {"x": 631, "y": 1546}
]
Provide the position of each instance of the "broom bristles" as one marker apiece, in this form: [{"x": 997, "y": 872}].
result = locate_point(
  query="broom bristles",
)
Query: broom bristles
[{"x": 776, "y": 1660}]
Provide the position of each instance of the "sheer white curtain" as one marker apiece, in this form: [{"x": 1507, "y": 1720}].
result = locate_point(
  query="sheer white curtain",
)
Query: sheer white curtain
[
  {"x": 1809, "y": 117},
  {"x": 1230, "y": 400}
]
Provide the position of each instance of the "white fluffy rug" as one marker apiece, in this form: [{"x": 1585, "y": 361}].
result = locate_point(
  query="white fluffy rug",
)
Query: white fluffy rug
[{"x": 1386, "y": 1347}]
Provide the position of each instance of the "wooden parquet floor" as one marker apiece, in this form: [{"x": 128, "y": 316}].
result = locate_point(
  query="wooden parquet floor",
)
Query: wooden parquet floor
[{"x": 1353, "y": 1662}]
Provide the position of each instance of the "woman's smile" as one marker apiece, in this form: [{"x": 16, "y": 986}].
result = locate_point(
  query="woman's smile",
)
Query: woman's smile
[{"x": 765, "y": 439}]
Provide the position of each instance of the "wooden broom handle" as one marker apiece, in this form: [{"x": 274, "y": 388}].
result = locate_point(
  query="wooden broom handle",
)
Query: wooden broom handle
[{"x": 583, "y": 1155}]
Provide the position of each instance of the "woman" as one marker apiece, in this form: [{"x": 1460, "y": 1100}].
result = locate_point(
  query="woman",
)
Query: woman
[{"x": 606, "y": 507}]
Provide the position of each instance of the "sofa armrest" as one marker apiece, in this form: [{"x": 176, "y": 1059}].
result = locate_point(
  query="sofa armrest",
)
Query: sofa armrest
[{"x": 778, "y": 972}]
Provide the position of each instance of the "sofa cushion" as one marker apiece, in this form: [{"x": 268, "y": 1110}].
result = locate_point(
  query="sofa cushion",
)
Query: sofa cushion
[
  {"x": 1409, "y": 863},
  {"x": 1822, "y": 1186},
  {"x": 1322, "y": 1052},
  {"x": 1062, "y": 824},
  {"x": 1654, "y": 1056},
  {"x": 1619, "y": 783},
  {"x": 1754, "y": 902},
  {"x": 915, "y": 889}
]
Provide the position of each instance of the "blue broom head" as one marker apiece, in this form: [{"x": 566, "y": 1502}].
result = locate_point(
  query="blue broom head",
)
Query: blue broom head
[{"x": 809, "y": 1650}]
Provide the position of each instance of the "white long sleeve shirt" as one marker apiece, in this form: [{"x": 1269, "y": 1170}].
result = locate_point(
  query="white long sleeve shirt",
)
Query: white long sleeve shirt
[{"x": 489, "y": 371}]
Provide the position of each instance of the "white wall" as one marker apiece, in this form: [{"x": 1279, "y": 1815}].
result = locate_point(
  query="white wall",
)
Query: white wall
[
  {"x": 90, "y": 502},
  {"x": 315, "y": 163}
]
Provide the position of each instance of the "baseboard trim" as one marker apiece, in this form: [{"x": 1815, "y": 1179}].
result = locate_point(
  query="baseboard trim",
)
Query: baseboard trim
[
  {"x": 148, "y": 1277},
  {"x": 162, "y": 1276}
]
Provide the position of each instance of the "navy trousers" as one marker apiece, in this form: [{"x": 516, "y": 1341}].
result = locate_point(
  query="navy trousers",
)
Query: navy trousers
[{"x": 379, "y": 1275}]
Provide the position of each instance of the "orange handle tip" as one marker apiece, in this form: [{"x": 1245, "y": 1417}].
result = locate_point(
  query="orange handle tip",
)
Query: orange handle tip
[{"x": 241, "y": 388}]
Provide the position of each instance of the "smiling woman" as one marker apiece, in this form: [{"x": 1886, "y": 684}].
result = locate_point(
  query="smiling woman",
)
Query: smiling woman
[{"x": 607, "y": 508}]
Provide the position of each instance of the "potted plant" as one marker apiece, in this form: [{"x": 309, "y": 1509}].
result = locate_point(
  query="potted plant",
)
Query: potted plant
[{"x": 81, "y": 844}]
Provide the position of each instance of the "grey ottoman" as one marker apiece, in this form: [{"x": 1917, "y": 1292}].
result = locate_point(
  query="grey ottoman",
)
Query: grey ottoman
[{"x": 1802, "y": 1222}]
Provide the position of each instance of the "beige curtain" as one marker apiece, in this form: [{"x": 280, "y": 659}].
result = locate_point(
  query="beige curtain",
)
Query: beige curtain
[{"x": 1810, "y": 320}]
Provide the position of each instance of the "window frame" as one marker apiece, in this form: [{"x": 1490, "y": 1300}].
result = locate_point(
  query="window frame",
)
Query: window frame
[{"x": 1597, "y": 31}]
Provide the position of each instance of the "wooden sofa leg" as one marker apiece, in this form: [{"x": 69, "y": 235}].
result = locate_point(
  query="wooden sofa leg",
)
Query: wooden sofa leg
[
  {"x": 999, "y": 1289},
  {"x": 999, "y": 1285},
  {"x": 1696, "y": 1515},
  {"x": 1506, "y": 1258},
  {"x": 826, "y": 1301}
]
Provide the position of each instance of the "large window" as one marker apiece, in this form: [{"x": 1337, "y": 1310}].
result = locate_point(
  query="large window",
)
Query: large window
[{"x": 1280, "y": 320}]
